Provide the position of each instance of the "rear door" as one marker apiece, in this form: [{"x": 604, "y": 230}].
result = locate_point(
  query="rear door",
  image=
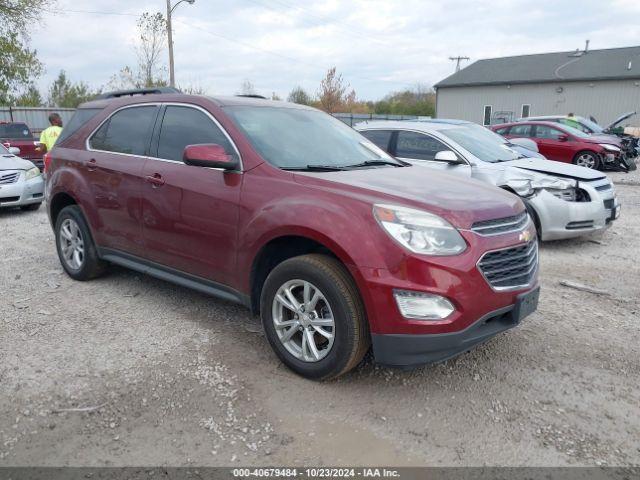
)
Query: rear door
[
  {"x": 112, "y": 166},
  {"x": 190, "y": 213},
  {"x": 421, "y": 149},
  {"x": 550, "y": 143}
]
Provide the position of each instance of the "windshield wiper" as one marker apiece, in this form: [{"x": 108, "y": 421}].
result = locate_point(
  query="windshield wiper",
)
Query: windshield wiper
[
  {"x": 316, "y": 168},
  {"x": 373, "y": 163}
]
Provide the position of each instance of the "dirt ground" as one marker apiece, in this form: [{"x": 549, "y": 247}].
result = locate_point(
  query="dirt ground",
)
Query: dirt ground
[{"x": 172, "y": 377}]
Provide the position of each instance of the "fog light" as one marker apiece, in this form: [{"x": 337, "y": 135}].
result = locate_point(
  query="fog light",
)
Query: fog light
[{"x": 422, "y": 306}]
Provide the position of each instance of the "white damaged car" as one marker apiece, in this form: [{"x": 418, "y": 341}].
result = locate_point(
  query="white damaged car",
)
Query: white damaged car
[
  {"x": 21, "y": 183},
  {"x": 563, "y": 200}
]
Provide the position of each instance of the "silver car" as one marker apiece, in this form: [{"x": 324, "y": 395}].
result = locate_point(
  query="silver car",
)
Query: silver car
[
  {"x": 21, "y": 183},
  {"x": 564, "y": 200}
]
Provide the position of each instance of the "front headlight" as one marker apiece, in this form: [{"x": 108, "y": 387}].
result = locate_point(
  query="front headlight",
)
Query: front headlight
[
  {"x": 418, "y": 231},
  {"x": 609, "y": 148},
  {"x": 32, "y": 173}
]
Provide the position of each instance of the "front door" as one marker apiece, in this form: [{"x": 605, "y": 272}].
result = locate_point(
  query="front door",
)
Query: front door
[
  {"x": 190, "y": 214},
  {"x": 112, "y": 167},
  {"x": 553, "y": 143},
  {"x": 421, "y": 149}
]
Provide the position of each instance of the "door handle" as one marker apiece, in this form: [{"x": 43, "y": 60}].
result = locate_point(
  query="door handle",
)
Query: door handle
[
  {"x": 92, "y": 165},
  {"x": 155, "y": 180}
]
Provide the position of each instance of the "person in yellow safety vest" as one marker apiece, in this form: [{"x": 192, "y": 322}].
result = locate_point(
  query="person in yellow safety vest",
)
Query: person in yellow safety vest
[
  {"x": 50, "y": 134},
  {"x": 572, "y": 122}
]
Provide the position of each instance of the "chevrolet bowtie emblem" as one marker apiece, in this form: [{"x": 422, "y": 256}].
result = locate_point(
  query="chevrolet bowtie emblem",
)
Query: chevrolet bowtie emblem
[{"x": 525, "y": 236}]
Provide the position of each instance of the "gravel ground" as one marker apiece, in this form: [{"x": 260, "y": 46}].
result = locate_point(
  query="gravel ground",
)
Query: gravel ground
[{"x": 167, "y": 376}]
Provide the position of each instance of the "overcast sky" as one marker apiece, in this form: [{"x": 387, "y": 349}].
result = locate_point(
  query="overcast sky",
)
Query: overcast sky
[{"x": 378, "y": 45}]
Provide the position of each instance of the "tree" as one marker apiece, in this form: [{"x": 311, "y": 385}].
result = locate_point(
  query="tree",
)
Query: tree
[
  {"x": 300, "y": 96},
  {"x": 420, "y": 100},
  {"x": 152, "y": 29},
  {"x": 66, "y": 94},
  {"x": 19, "y": 65},
  {"x": 332, "y": 91},
  {"x": 247, "y": 88},
  {"x": 29, "y": 98}
]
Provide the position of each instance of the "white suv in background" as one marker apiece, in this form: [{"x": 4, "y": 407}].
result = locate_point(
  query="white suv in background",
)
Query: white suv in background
[{"x": 564, "y": 200}]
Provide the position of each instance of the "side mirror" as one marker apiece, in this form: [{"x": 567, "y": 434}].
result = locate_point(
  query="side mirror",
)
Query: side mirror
[
  {"x": 447, "y": 156},
  {"x": 209, "y": 155},
  {"x": 14, "y": 150},
  {"x": 563, "y": 138}
]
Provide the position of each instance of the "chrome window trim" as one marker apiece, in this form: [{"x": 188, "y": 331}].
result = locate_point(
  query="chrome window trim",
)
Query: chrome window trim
[
  {"x": 525, "y": 226},
  {"x": 147, "y": 157}
]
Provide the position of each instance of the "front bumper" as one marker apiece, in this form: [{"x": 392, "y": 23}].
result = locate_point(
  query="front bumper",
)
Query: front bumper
[
  {"x": 408, "y": 351},
  {"x": 22, "y": 192},
  {"x": 560, "y": 219}
]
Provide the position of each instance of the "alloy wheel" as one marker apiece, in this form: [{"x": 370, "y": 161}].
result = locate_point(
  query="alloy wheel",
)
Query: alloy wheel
[
  {"x": 303, "y": 320},
  {"x": 586, "y": 160},
  {"x": 71, "y": 244}
]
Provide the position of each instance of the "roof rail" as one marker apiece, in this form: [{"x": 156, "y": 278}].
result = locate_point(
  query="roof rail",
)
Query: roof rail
[
  {"x": 252, "y": 95},
  {"x": 136, "y": 91}
]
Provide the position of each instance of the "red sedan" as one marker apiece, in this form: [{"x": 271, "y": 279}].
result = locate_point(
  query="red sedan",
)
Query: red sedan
[{"x": 565, "y": 144}]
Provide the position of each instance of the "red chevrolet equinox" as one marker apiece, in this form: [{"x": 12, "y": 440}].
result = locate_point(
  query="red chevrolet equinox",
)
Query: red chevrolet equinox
[{"x": 280, "y": 207}]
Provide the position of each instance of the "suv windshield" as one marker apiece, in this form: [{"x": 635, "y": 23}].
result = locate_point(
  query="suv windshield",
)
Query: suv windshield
[
  {"x": 296, "y": 138},
  {"x": 481, "y": 143},
  {"x": 15, "y": 131}
]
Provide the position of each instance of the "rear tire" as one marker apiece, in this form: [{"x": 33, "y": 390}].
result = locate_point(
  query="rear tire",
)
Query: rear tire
[
  {"x": 31, "y": 208},
  {"x": 587, "y": 159},
  {"x": 76, "y": 250},
  {"x": 336, "y": 323}
]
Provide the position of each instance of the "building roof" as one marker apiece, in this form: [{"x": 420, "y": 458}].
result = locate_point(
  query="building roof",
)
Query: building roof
[{"x": 606, "y": 64}]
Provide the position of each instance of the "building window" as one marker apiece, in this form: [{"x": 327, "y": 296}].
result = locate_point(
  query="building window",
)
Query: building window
[
  {"x": 487, "y": 115},
  {"x": 525, "y": 110}
]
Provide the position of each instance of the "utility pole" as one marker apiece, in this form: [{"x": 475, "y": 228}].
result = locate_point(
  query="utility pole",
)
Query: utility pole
[
  {"x": 458, "y": 59},
  {"x": 170, "y": 9}
]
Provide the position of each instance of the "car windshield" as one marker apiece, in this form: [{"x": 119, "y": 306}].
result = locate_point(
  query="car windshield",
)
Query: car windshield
[
  {"x": 296, "y": 138},
  {"x": 15, "y": 131},
  {"x": 481, "y": 143},
  {"x": 594, "y": 127}
]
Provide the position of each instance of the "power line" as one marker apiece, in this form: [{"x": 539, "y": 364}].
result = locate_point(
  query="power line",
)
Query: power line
[{"x": 320, "y": 20}]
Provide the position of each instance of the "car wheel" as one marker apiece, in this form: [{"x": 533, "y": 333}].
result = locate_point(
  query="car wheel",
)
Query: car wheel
[
  {"x": 313, "y": 317},
  {"x": 76, "y": 250},
  {"x": 587, "y": 159},
  {"x": 31, "y": 208}
]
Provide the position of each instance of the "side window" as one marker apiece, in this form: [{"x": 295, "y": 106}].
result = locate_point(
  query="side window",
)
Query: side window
[
  {"x": 379, "y": 137},
  {"x": 126, "y": 131},
  {"x": 486, "y": 116},
  {"x": 543, "y": 131},
  {"x": 520, "y": 130},
  {"x": 574, "y": 124},
  {"x": 502, "y": 131},
  {"x": 182, "y": 126},
  {"x": 418, "y": 146}
]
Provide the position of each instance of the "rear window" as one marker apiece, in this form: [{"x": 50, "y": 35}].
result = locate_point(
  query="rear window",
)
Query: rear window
[
  {"x": 82, "y": 116},
  {"x": 15, "y": 131}
]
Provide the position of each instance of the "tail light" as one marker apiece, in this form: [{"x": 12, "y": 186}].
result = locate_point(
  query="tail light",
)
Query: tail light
[{"x": 47, "y": 161}]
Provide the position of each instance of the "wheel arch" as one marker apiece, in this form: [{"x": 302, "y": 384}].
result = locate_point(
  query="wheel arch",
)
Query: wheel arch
[{"x": 59, "y": 201}]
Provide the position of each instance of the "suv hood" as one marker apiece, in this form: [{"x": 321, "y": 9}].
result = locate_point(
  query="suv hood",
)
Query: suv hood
[
  {"x": 11, "y": 162},
  {"x": 620, "y": 119},
  {"x": 554, "y": 168},
  {"x": 460, "y": 201}
]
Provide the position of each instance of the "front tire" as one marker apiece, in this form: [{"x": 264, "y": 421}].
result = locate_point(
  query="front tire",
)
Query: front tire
[
  {"x": 76, "y": 250},
  {"x": 587, "y": 159},
  {"x": 313, "y": 317}
]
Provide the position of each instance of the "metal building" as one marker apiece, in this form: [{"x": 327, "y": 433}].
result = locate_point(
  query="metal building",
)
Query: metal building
[{"x": 599, "y": 83}]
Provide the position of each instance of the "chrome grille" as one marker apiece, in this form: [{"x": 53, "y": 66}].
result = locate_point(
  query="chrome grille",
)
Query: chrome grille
[
  {"x": 501, "y": 225},
  {"x": 510, "y": 268},
  {"x": 10, "y": 177}
]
